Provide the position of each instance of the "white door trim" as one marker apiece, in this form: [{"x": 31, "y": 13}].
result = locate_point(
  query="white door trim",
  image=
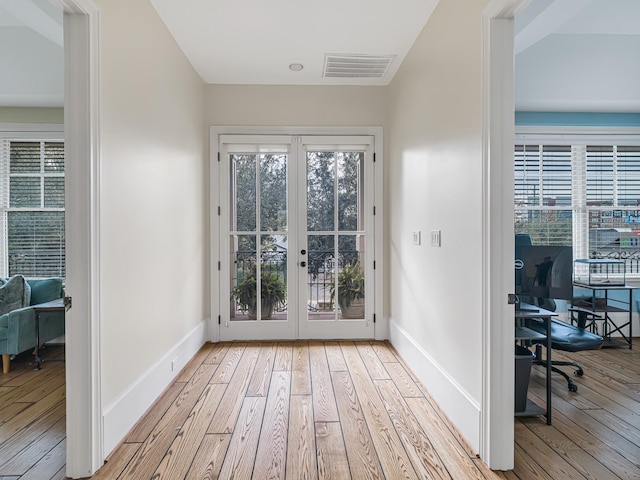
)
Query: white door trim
[
  {"x": 382, "y": 318},
  {"x": 82, "y": 199},
  {"x": 497, "y": 424}
]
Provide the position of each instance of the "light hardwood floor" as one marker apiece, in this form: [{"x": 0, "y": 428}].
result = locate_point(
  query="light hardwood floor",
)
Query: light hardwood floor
[{"x": 327, "y": 410}]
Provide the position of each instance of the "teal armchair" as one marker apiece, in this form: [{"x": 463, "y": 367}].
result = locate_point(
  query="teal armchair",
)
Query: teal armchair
[{"x": 17, "y": 327}]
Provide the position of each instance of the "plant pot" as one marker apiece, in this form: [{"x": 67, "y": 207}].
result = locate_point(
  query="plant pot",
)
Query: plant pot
[
  {"x": 355, "y": 309},
  {"x": 266, "y": 311}
]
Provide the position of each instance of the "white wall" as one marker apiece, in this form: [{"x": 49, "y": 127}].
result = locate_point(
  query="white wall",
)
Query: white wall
[
  {"x": 434, "y": 172},
  {"x": 154, "y": 210},
  {"x": 258, "y": 105}
]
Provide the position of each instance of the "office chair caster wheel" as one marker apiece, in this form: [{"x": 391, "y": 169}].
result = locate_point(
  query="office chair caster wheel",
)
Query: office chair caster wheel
[
  {"x": 579, "y": 372},
  {"x": 573, "y": 387}
]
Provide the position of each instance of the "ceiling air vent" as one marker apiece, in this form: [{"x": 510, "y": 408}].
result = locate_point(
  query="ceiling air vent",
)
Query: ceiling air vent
[{"x": 356, "y": 66}]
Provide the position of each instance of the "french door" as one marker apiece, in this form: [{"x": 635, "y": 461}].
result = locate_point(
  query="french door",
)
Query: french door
[{"x": 296, "y": 237}]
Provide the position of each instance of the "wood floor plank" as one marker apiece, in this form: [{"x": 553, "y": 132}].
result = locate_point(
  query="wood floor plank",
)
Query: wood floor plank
[
  {"x": 528, "y": 467},
  {"x": 31, "y": 432},
  {"x": 454, "y": 455},
  {"x": 580, "y": 459},
  {"x": 300, "y": 370},
  {"x": 332, "y": 454},
  {"x": 384, "y": 353},
  {"x": 148, "y": 457},
  {"x": 403, "y": 381},
  {"x": 284, "y": 353},
  {"x": 324, "y": 402},
  {"x": 51, "y": 463},
  {"x": 208, "y": 460},
  {"x": 117, "y": 462},
  {"x": 335, "y": 357},
  {"x": 144, "y": 426},
  {"x": 178, "y": 458},
  {"x": 217, "y": 352},
  {"x": 28, "y": 456},
  {"x": 363, "y": 460},
  {"x": 31, "y": 414},
  {"x": 393, "y": 458},
  {"x": 271, "y": 457},
  {"x": 371, "y": 361},
  {"x": 424, "y": 457},
  {"x": 224, "y": 419},
  {"x": 301, "y": 444},
  {"x": 259, "y": 383},
  {"x": 229, "y": 363},
  {"x": 240, "y": 458},
  {"x": 194, "y": 363}
]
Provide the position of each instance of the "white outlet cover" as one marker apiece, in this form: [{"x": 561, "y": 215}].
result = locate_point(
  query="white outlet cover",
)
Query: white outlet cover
[
  {"x": 415, "y": 237},
  {"x": 435, "y": 238}
]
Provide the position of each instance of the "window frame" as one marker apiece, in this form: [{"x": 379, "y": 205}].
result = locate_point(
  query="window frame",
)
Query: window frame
[
  {"x": 22, "y": 133},
  {"x": 579, "y": 138}
]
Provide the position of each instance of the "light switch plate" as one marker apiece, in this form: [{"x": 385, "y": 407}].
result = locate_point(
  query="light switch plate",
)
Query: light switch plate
[
  {"x": 435, "y": 238},
  {"x": 415, "y": 237}
]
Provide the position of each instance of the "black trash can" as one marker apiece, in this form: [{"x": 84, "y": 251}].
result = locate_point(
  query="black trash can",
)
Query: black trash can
[{"x": 524, "y": 359}]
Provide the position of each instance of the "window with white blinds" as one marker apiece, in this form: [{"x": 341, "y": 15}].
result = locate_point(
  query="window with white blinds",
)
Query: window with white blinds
[
  {"x": 581, "y": 194},
  {"x": 543, "y": 185},
  {"x": 32, "y": 184}
]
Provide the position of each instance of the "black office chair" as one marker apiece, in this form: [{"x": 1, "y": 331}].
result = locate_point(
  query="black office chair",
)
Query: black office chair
[
  {"x": 567, "y": 338},
  {"x": 564, "y": 336}
]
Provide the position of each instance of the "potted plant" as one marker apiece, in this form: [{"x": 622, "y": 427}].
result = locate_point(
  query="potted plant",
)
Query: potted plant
[
  {"x": 273, "y": 291},
  {"x": 350, "y": 291}
]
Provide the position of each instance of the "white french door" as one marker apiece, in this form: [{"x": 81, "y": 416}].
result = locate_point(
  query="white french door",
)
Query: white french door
[{"x": 296, "y": 238}]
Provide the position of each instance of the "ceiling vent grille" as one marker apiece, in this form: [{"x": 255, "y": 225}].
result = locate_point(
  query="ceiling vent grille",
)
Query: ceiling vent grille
[{"x": 356, "y": 66}]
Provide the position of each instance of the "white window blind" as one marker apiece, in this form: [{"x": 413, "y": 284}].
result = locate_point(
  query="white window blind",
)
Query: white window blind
[
  {"x": 543, "y": 183},
  {"x": 32, "y": 187}
]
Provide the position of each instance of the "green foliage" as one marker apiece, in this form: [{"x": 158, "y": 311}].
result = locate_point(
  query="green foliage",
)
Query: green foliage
[
  {"x": 350, "y": 285},
  {"x": 273, "y": 290}
]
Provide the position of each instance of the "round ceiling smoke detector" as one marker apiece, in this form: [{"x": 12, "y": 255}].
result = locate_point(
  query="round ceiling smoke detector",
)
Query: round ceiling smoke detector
[{"x": 296, "y": 67}]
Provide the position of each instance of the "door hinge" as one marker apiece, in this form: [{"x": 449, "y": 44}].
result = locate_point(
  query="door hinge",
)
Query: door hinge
[
  {"x": 374, "y": 210},
  {"x": 218, "y": 210},
  {"x": 218, "y": 156},
  {"x": 219, "y": 265},
  {"x": 219, "y": 319},
  {"x": 512, "y": 298},
  {"x": 374, "y": 318},
  {"x": 374, "y": 264},
  {"x": 374, "y": 156},
  {"x": 67, "y": 302}
]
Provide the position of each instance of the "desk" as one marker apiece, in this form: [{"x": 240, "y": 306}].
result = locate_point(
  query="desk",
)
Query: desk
[
  {"x": 53, "y": 306},
  {"x": 597, "y": 307},
  {"x": 527, "y": 312}
]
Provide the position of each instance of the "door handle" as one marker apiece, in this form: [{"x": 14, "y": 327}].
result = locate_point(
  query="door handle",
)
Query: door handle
[{"x": 303, "y": 264}]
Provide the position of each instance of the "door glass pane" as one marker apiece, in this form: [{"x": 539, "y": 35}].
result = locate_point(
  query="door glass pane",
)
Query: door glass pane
[
  {"x": 350, "y": 179},
  {"x": 243, "y": 193},
  {"x": 273, "y": 192},
  {"x": 320, "y": 191},
  {"x": 350, "y": 280},
  {"x": 25, "y": 192},
  {"x": 273, "y": 277},
  {"x": 320, "y": 277},
  {"x": 244, "y": 289}
]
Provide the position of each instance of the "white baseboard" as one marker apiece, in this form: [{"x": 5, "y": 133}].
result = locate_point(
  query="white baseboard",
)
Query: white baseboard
[
  {"x": 125, "y": 410},
  {"x": 461, "y": 408}
]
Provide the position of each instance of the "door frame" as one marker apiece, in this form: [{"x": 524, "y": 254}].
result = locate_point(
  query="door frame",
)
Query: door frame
[
  {"x": 381, "y": 327},
  {"x": 498, "y": 124},
  {"x": 85, "y": 453}
]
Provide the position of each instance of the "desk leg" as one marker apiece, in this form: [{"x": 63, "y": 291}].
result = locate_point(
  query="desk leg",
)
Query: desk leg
[
  {"x": 630, "y": 317},
  {"x": 37, "y": 350},
  {"x": 549, "y": 372}
]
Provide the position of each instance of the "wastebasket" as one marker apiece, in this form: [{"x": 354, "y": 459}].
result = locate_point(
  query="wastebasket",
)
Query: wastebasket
[{"x": 524, "y": 359}]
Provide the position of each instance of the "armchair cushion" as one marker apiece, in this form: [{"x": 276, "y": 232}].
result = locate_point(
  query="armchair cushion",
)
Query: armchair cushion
[
  {"x": 45, "y": 290},
  {"x": 15, "y": 293}
]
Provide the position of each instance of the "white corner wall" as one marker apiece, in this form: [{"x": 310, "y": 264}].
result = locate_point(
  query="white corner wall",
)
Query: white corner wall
[
  {"x": 434, "y": 174},
  {"x": 154, "y": 212}
]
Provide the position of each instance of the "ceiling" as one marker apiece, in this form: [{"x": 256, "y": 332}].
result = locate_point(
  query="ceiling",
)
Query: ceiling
[{"x": 571, "y": 55}]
